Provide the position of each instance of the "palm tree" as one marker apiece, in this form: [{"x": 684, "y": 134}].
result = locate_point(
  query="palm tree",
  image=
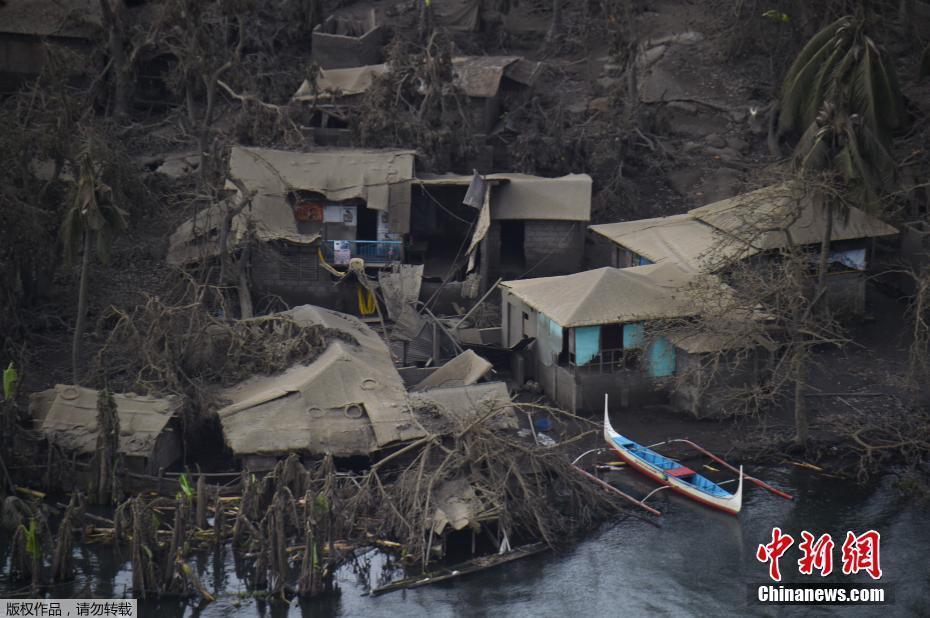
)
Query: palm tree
[
  {"x": 844, "y": 66},
  {"x": 92, "y": 219},
  {"x": 842, "y": 92}
]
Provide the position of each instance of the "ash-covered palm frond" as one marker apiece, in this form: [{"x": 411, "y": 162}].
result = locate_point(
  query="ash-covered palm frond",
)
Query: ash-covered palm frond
[{"x": 843, "y": 65}]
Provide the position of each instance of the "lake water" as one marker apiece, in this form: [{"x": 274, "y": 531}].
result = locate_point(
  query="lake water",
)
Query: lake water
[{"x": 698, "y": 562}]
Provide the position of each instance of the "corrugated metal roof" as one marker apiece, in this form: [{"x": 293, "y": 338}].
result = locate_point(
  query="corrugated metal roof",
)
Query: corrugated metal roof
[
  {"x": 707, "y": 238},
  {"x": 756, "y": 220},
  {"x": 679, "y": 239}
]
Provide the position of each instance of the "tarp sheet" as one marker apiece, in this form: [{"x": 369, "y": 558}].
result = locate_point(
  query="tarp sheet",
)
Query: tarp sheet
[
  {"x": 400, "y": 288},
  {"x": 482, "y": 224},
  {"x": 480, "y": 76},
  {"x": 380, "y": 177},
  {"x": 548, "y": 338},
  {"x": 348, "y": 401}
]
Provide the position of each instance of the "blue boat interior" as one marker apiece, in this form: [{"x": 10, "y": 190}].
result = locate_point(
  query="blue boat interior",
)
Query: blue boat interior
[{"x": 672, "y": 468}]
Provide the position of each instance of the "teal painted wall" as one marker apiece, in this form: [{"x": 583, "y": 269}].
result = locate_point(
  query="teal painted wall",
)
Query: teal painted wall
[
  {"x": 660, "y": 358},
  {"x": 587, "y": 343},
  {"x": 634, "y": 336}
]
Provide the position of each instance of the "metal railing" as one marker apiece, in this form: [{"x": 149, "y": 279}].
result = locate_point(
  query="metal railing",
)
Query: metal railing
[
  {"x": 339, "y": 252},
  {"x": 605, "y": 362}
]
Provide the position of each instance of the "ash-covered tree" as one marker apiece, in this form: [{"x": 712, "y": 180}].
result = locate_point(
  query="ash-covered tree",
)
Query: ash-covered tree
[
  {"x": 93, "y": 220},
  {"x": 206, "y": 39},
  {"x": 843, "y": 94},
  {"x": 777, "y": 299},
  {"x": 128, "y": 37},
  {"x": 39, "y": 125}
]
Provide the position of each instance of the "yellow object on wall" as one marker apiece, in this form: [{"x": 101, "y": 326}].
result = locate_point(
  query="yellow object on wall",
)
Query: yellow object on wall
[{"x": 366, "y": 300}]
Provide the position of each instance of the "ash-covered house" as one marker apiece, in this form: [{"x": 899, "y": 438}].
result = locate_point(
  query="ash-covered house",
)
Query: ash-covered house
[
  {"x": 150, "y": 433},
  {"x": 490, "y": 85},
  {"x": 535, "y": 227},
  {"x": 350, "y": 401},
  {"x": 27, "y": 26},
  {"x": 310, "y": 212},
  {"x": 348, "y": 41},
  {"x": 599, "y": 331},
  {"x": 752, "y": 226},
  {"x": 327, "y": 206},
  {"x": 30, "y": 28}
]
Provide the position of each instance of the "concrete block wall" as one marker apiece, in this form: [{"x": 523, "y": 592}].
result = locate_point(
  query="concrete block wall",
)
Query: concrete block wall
[
  {"x": 559, "y": 244},
  {"x": 293, "y": 272},
  {"x": 599, "y": 251},
  {"x": 339, "y": 51}
]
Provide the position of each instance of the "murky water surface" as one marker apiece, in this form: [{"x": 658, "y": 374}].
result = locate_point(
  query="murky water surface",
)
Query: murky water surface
[{"x": 697, "y": 563}]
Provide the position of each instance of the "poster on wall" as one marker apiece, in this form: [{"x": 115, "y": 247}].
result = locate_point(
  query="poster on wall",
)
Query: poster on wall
[
  {"x": 342, "y": 252},
  {"x": 308, "y": 212},
  {"x": 384, "y": 227},
  {"x": 343, "y": 215}
]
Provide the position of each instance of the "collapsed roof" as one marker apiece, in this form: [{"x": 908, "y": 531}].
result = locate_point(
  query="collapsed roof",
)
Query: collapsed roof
[
  {"x": 612, "y": 295},
  {"x": 349, "y": 401},
  {"x": 69, "y": 419},
  {"x": 466, "y": 404},
  {"x": 707, "y": 238},
  {"x": 380, "y": 177},
  {"x": 463, "y": 370}
]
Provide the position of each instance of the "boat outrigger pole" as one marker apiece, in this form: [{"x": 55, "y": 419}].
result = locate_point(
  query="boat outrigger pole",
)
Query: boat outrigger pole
[{"x": 723, "y": 463}]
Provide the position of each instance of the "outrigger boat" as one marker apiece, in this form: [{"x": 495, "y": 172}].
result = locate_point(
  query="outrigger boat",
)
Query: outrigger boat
[{"x": 673, "y": 474}]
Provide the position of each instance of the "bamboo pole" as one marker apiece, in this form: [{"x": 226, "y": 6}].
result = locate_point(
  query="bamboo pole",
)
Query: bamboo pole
[{"x": 616, "y": 491}]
